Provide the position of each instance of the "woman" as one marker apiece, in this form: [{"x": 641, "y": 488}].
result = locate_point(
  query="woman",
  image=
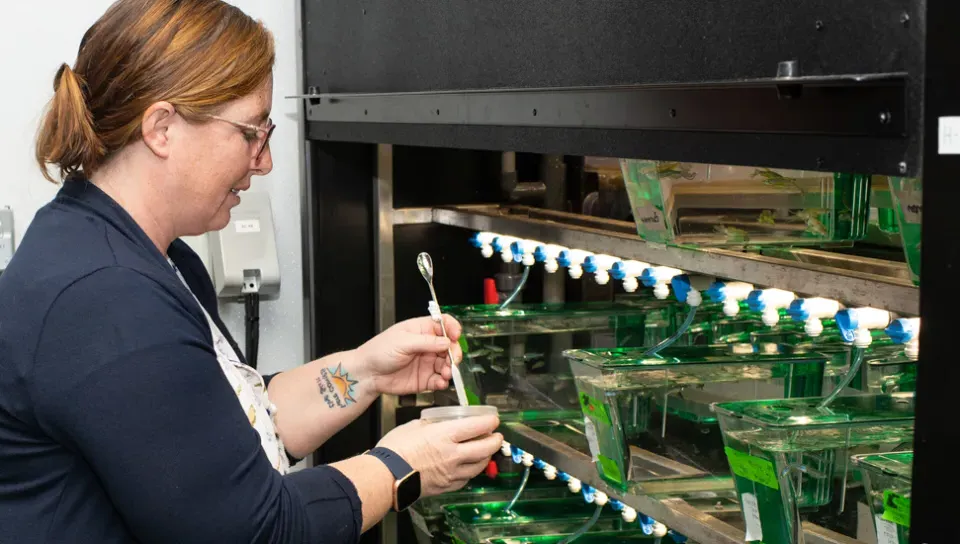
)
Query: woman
[{"x": 126, "y": 412}]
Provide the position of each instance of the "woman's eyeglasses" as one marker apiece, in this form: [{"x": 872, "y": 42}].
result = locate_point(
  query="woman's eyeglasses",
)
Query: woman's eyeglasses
[{"x": 252, "y": 133}]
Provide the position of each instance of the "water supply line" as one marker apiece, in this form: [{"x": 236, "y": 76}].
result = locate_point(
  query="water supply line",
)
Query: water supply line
[
  {"x": 855, "y": 325},
  {"x": 685, "y": 293}
]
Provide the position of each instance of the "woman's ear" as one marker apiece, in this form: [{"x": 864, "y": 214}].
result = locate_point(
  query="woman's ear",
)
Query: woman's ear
[{"x": 155, "y": 128}]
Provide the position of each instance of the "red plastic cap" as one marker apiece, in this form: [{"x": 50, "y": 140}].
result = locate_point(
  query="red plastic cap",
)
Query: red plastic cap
[
  {"x": 490, "y": 295},
  {"x": 492, "y": 470}
]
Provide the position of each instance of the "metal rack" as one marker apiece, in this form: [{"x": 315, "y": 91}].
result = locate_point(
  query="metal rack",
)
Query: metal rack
[{"x": 824, "y": 85}]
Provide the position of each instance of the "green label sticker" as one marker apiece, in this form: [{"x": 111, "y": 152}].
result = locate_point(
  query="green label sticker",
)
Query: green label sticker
[
  {"x": 472, "y": 398},
  {"x": 896, "y": 508},
  {"x": 752, "y": 468},
  {"x": 609, "y": 469},
  {"x": 593, "y": 408}
]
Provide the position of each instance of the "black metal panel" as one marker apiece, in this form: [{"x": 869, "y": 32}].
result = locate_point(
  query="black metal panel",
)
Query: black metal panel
[
  {"x": 843, "y": 106},
  {"x": 934, "y": 467},
  {"x": 343, "y": 274},
  {"x": 880, "y": 156},
  {"x": 424, "y": 177},
  {"x": 391, "y": 46}
]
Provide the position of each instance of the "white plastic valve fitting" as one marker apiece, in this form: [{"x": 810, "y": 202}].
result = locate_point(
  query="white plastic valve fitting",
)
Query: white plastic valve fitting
[
  {"x": 632, "y": 269},
  {"x": 734, "y": 293},
  {"x": 527, "y": 249},
  {"x": 663, "y": 275},
  {"x": 574, "y": 485},
  {"x": 527, "y": 459},
  {"x": 485, "y": 239},
  {"x": 628, "y": 514},
  {"x": 575, "y": 266},
  {"x": 550, "y": 254},
  {"x": 600, "y": 498},
  {"x": 550, "y": 472},
  {"x": 603, "y": 263},
  {"x": 819, "y": 308},
  {"x": 505, "y": 449},
  {"x": 864, "y": 319},
  {"x": 505, "y": 244},
  {"x": 659, "y": 530},
  {"x": 774, "y": 300}
]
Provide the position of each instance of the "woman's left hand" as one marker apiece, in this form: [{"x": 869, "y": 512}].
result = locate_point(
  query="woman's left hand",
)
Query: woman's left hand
[{"x": 411, "y": 356}]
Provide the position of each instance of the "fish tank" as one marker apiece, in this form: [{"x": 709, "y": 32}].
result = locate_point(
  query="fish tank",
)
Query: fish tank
[
  {"x": 791, "y": 458},
  {"x": 427, "y": 514},
  {"x": 649, "y": 417},
  {"x": 606, "y": 537},
  {"x": 476, "y": 523},
  {"x": 885, "y": 367},
  {"x": 513, "y": 357},
  {"x": 888, "y": 478},
  {"x": 908, "y": 204},
  {"x": 708, "y": 205}
]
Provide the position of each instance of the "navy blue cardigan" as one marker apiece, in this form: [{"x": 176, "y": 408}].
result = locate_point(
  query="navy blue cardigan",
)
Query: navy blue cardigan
[{"x": 116, "y": 422}]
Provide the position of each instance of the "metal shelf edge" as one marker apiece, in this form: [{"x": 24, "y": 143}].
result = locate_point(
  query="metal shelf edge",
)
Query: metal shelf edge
[
  {"x": 674, "y": 513},
  {"x": 762, "y": 271}
]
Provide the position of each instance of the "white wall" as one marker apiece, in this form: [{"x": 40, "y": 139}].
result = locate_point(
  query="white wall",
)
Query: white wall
[{"x": 42, "y": 34}]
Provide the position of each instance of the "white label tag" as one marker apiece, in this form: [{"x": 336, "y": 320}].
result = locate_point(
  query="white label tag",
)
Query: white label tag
[
  {"x": 886, "y": 531},
  {"x": 911, "y": 204},
  {"x": 246, "y": 226},
  {"x": 650, "y": 217},
  {"x": 949, "y": 136},
  {"x": 419, "y": 522},
  {"x": 591, "y": 431},
  {"x": 751, "y": 514}
]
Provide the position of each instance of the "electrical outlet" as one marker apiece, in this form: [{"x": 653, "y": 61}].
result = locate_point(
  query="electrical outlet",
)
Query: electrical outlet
[{"x": 6, "y": 237}]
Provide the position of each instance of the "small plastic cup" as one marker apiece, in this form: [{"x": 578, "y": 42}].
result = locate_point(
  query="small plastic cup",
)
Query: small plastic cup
[{"x": 447, "y": 413}]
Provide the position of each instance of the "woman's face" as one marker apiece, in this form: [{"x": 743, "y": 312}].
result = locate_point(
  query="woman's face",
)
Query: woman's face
[{"x": 220, "y": 158}]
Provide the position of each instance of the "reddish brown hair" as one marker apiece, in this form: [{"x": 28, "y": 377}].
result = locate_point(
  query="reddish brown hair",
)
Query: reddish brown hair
[{"x": 196, "y": 54}]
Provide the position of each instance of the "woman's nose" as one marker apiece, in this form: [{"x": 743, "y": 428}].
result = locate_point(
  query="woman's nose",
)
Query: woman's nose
[{"x": 264, "y": 165}]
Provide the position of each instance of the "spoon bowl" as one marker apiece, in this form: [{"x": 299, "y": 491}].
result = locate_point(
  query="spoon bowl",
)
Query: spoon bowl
[{"x": 425, "y": 264}]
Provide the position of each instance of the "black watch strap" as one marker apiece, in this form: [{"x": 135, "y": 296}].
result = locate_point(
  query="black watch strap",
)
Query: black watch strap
[{"x": 395, "y": 464}]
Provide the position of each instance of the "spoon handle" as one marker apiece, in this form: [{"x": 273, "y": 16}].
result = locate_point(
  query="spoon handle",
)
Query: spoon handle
[{"x": 454, "y": 368}]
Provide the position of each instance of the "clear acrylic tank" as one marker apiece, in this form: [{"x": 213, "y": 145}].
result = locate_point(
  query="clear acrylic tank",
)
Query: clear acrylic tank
[
  {"x": 908, "y": 200},
  {"x": 888, "y": 478},
  {"x": 475, "y": 523},
  {"x": 790, "y": 457},
  {"x": 427, "y": 514},
  {"x": 513, "y": 357},
  {"x": 649, "y": 418},
  {"x": 716, "y": 205}
]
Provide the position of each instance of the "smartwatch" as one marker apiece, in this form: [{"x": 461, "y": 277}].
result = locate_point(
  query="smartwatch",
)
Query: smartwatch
[{"x": 406, "y": 489}]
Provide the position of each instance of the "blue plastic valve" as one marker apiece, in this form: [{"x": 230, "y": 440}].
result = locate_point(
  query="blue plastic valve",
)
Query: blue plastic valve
[
  {"x": 717, "y": 291},
  {"x": 516, "y": 454},
  {"x": 539, "y": 464},
  {"x": 681, "y": 287},
  {"x": 563, "y": 259},
  {"x": 901, "y": 331},
  {"x": 563, "y": 476},
  {"x": 798, "y": 310},
  {"x": 755, "y": 301},
  {"x": 848, "y": 323},
  {"x": 648, "y": 277}
]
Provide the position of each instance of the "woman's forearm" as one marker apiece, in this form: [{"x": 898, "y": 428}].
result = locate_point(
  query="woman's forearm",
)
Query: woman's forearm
[
  {"x": 316, "y": 400},
  {"x": 374, "y": 484}
]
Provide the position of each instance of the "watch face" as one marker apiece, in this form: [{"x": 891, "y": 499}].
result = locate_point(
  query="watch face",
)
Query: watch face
[{"x": 408, "y": 491}]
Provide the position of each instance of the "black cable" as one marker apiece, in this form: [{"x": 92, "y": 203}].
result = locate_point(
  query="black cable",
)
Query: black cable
[{"x": 251, "y": 303}]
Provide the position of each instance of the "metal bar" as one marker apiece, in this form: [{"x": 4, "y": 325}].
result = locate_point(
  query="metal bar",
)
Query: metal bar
[
  {"x": 814, "y": 534},
  {"x": 386, "y": 295},
  {"x": 849, "y": 108},
  {"x": 412, "y": 216},
  {"x": 607, "y": 236}
]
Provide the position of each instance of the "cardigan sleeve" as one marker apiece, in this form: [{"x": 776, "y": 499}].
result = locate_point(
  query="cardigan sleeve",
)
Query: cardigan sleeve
[{"x": 126, "y": 377}]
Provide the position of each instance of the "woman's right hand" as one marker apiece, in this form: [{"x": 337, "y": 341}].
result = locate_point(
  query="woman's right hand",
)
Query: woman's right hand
[{"x": 447, "y": 453}]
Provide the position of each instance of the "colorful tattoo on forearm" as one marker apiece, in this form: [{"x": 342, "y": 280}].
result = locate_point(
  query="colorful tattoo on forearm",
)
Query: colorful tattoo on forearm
[{"x": 336, "y": 387}]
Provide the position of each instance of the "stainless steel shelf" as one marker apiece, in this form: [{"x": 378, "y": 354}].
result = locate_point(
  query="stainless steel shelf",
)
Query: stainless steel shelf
[
  {"x": 852, "y": 284},
  {"x": 675, "y": 513}
]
